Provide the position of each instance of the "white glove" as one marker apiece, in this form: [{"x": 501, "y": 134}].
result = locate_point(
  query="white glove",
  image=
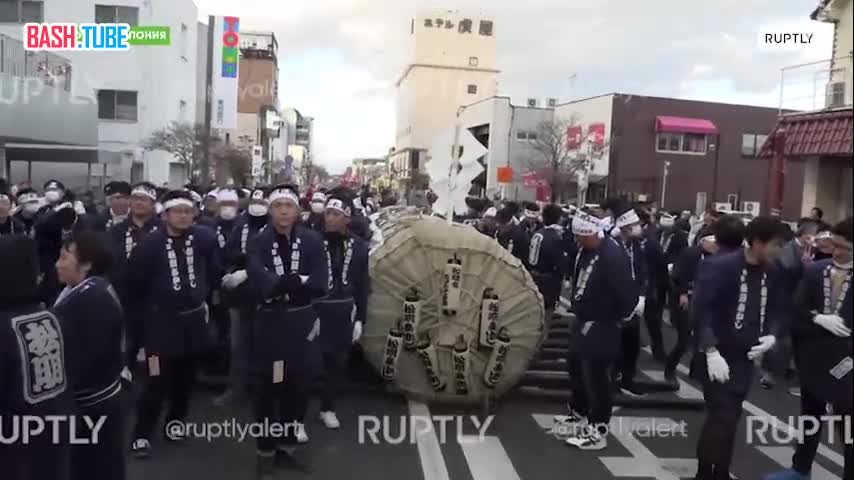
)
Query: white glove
[
  {"x": 303, "y": 279},
  {"x": 640, "y": 306},
  {"x": 126, "y": 375},
  {"x": 234, "y": 280},
  {"x": 63, "y": 206},
  {"x": 140, "y": 355},
  {"x": 79, "y": 208},
  {"x": 833, "y": 324},
  {"x": 765, "y": 344},
  {"x": 357, "y": 331},
  {"x": 567, "y": 284},
  {"x": 669, "y": 268},
  {"x": 718, "y": 368}
]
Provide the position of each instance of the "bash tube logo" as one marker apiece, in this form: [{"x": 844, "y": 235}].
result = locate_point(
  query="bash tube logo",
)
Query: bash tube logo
[{"x": 91, "y": 36}]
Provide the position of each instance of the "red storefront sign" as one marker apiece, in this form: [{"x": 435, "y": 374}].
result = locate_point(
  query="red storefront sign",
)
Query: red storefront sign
[
  {"x": 573, "y": 138},
  {"x": 533, "y": 180},
  {"x": 596, "y": 133}
]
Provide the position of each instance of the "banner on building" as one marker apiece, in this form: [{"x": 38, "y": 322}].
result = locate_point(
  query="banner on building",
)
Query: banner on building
[
  {"x": 573, "y": 138},
  {"x": 596, "y": 134},
  {"x": 505, "y": 175},
  {"x": 224, "y": 71},
  {"x": 534, "y": 180}
]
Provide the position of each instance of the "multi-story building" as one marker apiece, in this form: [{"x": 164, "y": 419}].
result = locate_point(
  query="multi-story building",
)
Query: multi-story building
[
  {"x": 137, "y": 91},
  {"x": 682, "y": 154},
  {"x": 297, "y": 131},
  {"x": 818, "y": 142},
  {"x": 452, "y": 62},
  {"x": 509, "y": 132},
  {"x": 369, "y": 171}
]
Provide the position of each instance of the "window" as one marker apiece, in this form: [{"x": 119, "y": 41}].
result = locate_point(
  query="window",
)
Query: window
[
  {"x": 690, "y": 143},
  {"x": 532, "y": 136},
  {"x": 472, "y": 89},
  {"x": 521, "y": 136},
  {"x": 473, "y": 61},
  {"x": 16, "y": 11},
  {"x": 486, "y": 28},
  {"x": 117, "y": 105},
  {"x": 751, "y": 144},
  {"x": 115, "y": 14}
]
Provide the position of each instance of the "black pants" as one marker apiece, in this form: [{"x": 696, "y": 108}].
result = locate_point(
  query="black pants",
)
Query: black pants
[
  {"x": 174, "y": 383},
  {"x": 652, "y": 313},
  {"x": 802, "y": 460},
  {"x": 630, "y": 336},
  {"x": 280, "y": 403},
  {"x": 105, "y": 459},
  {"x": 334, "y": 365},
  {"x": 591, "y": 389},
  {"x": 717, "y": 438},
  {"x": 681, "y": 320}
]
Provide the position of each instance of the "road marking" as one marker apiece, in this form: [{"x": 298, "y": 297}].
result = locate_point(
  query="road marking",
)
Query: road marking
[
  {"x": 783, "y": 456},
  {"x": 432, "y": 460},
  {"x": 487, "y": 458},
  {"x": 643, "y": 463},
  {"x": 546, "y": 421},
  {"x": 752, "y": 409}
]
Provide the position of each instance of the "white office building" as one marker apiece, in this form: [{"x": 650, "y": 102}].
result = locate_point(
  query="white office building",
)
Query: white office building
[{"x": 137, "y": 91}]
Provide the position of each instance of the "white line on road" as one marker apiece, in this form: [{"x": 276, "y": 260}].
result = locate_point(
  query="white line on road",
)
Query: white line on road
[
  {"x": 788, "y": 430},
  {"x": 783, "y": 457},
  {"x": 432, "y": 460},
  {"x": 487, "y": 458}
]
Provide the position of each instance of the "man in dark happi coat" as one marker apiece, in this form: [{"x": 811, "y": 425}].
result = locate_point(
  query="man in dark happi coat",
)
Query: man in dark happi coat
[
  {"x": 91, "y": 317},
  {"x": 313, "y": 219},
  {"x": 342, "y": 312},
  {"x": 169, "y": 277},
  {"x": 9, "y": 225},
  {"x": 738, "y": 312},
  {"x": 118, "y": 206},
  {"x": 28, "y": 206},
  {"x": 531, "y": 221},
  {"x": 33, "y": 369},
  {"x": 287, "y": 263},
  {"x": 603, "y": 294},
  {"x": 124, "y": 237},
  {"x": 822, "y": 334},
  {"x": 631, "y": 240},
  {"x": 511, "y": 236},
  {"x": 239, "y": 295},
  {"x": 727, "y": 236},
  {"x": 54, "y": 226},
  {"x": 547, "y": 258}
]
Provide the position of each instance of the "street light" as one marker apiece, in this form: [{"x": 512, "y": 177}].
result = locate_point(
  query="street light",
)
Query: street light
[{"x": 664, "y": 182}]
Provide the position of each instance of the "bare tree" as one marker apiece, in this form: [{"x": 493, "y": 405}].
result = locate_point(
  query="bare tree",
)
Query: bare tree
[
  {"x": 183, "y": 140},
  {"x": 312, "y": 173},
  {"x": 234, "y": 161},
  {"x": 559, "y": 165}
]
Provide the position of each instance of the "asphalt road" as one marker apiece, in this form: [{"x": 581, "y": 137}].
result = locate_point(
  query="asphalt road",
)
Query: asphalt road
[{"x": 515, "y": 445}]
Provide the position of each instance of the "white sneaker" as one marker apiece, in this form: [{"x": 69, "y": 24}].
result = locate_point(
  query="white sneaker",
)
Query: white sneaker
[
  {"x": 140, "y": 448},
  {"x": 590, "y": 439},
  {"x": 302, "y": 437},
  {"x": 566, "y": 426},
  {"x": 330, "y": 420}
]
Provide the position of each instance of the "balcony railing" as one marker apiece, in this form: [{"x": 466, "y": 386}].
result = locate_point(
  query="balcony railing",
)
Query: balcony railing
[
  {"x": 817, "y": 86},
  {"x": 52, "y": 69}
]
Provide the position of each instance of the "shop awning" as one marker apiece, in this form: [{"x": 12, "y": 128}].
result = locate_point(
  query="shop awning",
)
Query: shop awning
[
  {"x": 815, "y": 133},
  {"x": 684, "y": 125}
]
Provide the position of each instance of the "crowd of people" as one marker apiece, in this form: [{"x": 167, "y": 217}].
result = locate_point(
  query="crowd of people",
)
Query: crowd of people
[{"x": 160, "y": 279}]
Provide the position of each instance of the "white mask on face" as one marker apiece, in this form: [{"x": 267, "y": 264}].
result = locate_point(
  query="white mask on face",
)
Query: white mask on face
[
  {"x": 30, "y": 208},
  {"x": 53, "y": 196},
  {"x": 636, "y": 231},
  {"x": 317, "y": 207},
  {"x": 257, "y": 210},
  {"x": 228, "y": 213}
]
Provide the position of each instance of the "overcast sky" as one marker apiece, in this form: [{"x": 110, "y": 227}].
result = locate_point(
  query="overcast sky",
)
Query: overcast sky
[{"x": 339, "y": 59}]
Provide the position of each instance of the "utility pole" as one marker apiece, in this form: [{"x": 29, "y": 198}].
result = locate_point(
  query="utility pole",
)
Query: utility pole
[
  {"x": 205, "y": 164},
  {"x": 664, "y": 182}
]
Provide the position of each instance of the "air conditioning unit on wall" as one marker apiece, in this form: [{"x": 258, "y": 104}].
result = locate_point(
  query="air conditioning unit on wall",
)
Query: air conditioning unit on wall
[
  {"x": 551, "y": 102},
  {"x": 533, "y": 102}
]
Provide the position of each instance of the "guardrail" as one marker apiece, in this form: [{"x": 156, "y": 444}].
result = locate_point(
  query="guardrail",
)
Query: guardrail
[
  {"x": 817, "y": 85},
  {"x": 52, "y": 69}
]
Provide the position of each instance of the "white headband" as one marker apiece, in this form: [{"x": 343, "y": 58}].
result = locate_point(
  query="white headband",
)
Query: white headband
[
  {"x": 585, "y": 225},
  {"x": 258, "y": 195},
  {"x": 531, "y": 214},
  {"x": 145, "y": 192},
  {"x": 709, "y": 238},
  {"x": 336, "y": 204},
  {"x": 627, "y": 219},
  {"x": 667, "y": 221},
  {"x": 227, "y": 196},
  {"x": 318, "y": 197},
  {"x": 491, "y": 212},
  {"x": 284, "y": 194},
  {"x": 177, "y": 202},
  {"x": 824, "y": 235}
]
